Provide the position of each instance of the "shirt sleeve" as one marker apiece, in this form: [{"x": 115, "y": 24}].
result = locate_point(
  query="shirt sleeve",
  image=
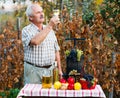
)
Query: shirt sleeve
[
  {"x": 57, "y": 47},
  {"x": 26, "y": 37}
]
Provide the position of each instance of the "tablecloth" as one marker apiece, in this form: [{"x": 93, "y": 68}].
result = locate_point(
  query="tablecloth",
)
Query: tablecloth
[{"x": 37, "y": 90}]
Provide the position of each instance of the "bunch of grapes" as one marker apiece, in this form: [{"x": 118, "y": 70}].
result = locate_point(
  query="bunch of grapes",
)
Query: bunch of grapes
[
  {"x": 73, "y": 55},
  {"x": 67, "y": 53},
  {"x": 79, "y": 54},
  {"x": 90, "y": 79}
]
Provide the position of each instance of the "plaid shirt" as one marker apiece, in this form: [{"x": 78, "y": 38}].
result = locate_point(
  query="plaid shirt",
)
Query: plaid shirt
[{"x": 42, "y": 54}]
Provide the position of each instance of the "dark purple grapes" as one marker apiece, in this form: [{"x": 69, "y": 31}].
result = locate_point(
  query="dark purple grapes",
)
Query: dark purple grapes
[{"x": 73, "y": 55}]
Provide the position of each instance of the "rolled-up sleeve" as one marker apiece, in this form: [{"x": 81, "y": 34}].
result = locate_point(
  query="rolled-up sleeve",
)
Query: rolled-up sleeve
[
  {"x": 57, "y": 47},
  {"x": 26, "y": 37}
]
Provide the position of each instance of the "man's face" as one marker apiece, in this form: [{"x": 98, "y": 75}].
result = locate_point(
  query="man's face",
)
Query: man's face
[{"x": 38, "y": 15}]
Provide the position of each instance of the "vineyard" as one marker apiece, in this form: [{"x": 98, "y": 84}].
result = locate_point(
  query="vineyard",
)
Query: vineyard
[{"x": 101, "y": 47}]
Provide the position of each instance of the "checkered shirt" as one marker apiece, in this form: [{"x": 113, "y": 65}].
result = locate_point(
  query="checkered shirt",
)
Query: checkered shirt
[{"x": 42, "y": 54}]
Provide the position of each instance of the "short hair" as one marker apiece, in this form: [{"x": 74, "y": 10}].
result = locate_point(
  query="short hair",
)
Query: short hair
[{"x": 29, "y": 10}]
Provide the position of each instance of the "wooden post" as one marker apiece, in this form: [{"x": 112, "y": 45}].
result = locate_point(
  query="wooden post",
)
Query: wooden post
[
  {"x": 18, "y": 27},
  {"x": 75, "y": 6},
  {"x": 111, "y": 92},
  {"x": 61, "y": 8},
  {"x": 112, "y": 85}
]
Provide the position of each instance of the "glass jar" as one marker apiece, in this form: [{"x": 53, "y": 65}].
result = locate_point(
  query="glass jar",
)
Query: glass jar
[{"x": 46, "y": 79}]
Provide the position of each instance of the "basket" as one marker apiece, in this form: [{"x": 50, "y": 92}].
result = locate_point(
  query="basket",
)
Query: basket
[{"x": 88, "y": 83}]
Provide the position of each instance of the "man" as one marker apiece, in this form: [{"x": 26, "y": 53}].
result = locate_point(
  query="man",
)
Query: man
[{"x": 41, "y": 48}]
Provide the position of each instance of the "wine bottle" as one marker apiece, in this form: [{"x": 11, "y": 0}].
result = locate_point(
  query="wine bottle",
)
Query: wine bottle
[{"x": 55, "y": 73}]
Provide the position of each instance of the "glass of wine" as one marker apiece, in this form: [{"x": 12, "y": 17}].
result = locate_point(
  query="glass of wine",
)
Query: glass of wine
[
  {"x": 56, "y": 13},
  {"x": 46, "y": 79}
]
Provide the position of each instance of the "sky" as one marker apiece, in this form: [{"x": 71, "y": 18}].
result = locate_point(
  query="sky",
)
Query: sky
[{"x": 9, "y": 5}]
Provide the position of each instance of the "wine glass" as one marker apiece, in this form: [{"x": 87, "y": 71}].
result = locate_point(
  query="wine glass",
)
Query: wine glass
[{"x": 56, "y": 13}]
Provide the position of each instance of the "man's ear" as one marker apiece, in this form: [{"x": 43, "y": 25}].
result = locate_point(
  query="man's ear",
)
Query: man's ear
[{"x": 30, "y": 18}]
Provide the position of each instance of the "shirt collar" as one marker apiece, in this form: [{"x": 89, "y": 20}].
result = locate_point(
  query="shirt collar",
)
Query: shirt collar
[{"x": 34, "y": 26}]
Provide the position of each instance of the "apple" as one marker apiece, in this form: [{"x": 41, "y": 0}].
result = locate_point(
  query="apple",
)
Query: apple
[
  {"x": 62, "y": 80},
  {"x": 71, "y": 80},
  {"x": 70, "y": 86},
  {"x": 84, "y": 83}
]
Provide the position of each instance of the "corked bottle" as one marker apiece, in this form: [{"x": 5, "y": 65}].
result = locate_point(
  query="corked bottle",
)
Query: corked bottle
[{"x": 55, "y": 73}]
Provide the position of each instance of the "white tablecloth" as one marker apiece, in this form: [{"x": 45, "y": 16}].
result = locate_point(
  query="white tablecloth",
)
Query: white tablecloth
[{"x": 37, "y": 90}]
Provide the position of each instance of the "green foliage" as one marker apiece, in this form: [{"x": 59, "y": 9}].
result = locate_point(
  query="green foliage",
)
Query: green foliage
[
  {"x": 48, "y": 7},
  {"x": 2, "y": 94},
  {"x": 70, "y": 5},
  {"x": 87, "y": 17},
  {"x": 12, "y": 93},
  {"x": 110, "y": 11},
  {"x": 103, "y": 13},
  {"x": 88, "y": 11}
]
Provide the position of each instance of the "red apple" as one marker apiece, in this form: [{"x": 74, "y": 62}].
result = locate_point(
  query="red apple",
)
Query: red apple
[
  {"x": 70, "y": 86},
  {"x": 62, "y": 80},
  {"x": 84, "y": 83},
  {"x": 71, "y": 80}
]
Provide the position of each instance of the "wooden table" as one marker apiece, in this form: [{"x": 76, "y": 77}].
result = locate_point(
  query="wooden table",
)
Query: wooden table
[{"x": 36, "y": 91}]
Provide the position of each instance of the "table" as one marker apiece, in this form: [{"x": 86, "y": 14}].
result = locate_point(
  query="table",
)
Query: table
[{"x": 32, "y": 90}]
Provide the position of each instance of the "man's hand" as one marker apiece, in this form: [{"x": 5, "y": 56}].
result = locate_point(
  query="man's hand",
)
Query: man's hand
[
  {"x": 60, "y": 75},
  {"x": 54, "y": 21}
]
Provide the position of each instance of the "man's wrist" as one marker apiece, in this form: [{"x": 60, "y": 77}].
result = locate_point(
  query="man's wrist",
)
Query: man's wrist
[
  {"x": 49, "y": 27},
  {"x": 60, "y": 71}
]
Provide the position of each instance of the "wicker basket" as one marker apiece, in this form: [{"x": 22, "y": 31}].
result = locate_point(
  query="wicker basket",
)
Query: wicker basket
[{"x": 88, "y": 84}]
